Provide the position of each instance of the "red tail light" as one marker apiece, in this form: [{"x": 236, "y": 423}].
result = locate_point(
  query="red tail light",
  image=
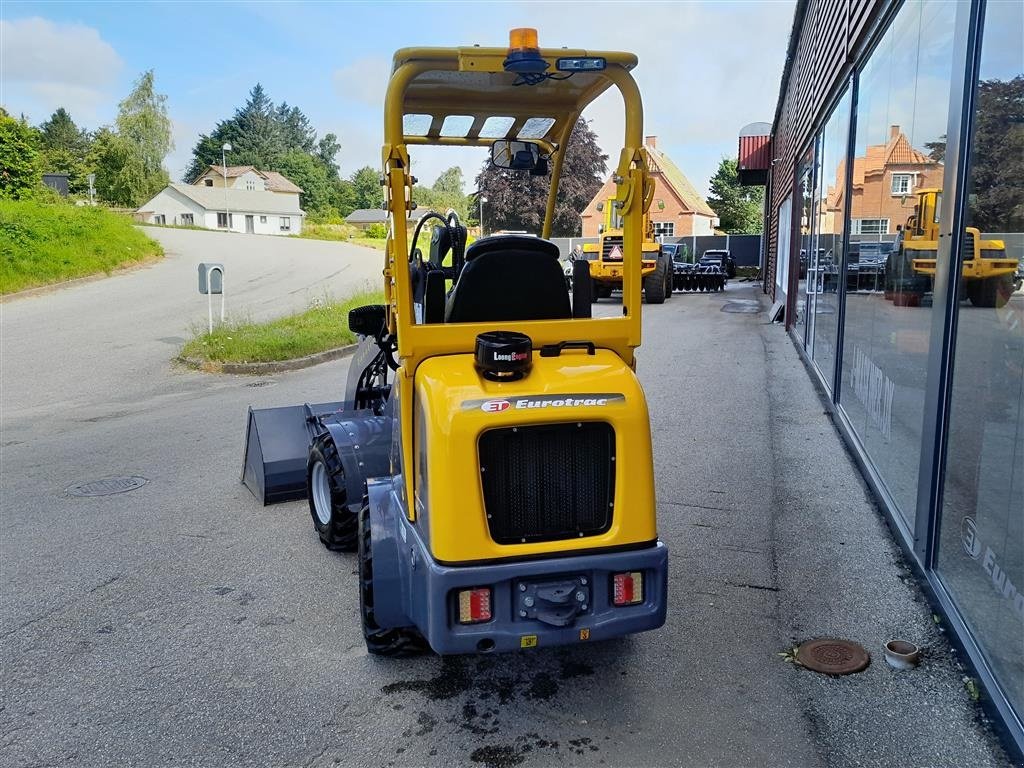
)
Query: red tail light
[
  {"x": 627, "y": 588},
  {"x": 475, "y": 605}
]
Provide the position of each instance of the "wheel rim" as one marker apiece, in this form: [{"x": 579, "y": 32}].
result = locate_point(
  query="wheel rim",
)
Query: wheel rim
[{"x": 321, "y": 487}]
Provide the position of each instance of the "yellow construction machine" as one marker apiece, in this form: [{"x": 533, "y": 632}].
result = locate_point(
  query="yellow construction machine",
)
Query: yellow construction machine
[
  {"x": 987, "y": 274},
  {"x": 605, "y": 257}
]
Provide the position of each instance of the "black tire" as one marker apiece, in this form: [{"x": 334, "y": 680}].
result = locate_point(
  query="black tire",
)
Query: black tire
[
  {"x": 991, "y": 292},
  {"x": 333, "y": 520},
  {"x": 656, "y": 284},
  {"x": 402, "y": 641}
]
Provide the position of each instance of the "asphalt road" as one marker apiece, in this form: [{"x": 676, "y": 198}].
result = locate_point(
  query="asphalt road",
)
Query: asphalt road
[{"x": 183, "y": 624}]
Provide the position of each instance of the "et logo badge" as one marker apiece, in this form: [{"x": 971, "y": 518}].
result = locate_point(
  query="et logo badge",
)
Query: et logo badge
[
  {"x": 584, "y": 634},
  {"x": 495, "y": 406},
  {"x": 969, "y": 538}
]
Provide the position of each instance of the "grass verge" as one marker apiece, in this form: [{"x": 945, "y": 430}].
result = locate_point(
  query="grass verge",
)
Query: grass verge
[
  {"x": 45, "y": 243},
  {"x": 318, "y": 329},
  {"x": 369, "y": 242}
]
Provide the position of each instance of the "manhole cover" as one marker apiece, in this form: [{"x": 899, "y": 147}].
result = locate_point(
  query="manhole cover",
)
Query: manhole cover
[
  {"x": 741, "y": 309},
  {"x": 833, "y": 657},
  {"x": 107, "y": 486}
]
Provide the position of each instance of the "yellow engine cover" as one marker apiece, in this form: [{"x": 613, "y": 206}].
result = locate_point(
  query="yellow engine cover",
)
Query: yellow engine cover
[{"x": 454, "y": 406}]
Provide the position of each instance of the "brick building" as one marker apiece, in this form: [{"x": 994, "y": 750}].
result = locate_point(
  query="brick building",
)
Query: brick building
[
  {"x": 884, "y": 180},
  {"x": 677, "y": 210}
]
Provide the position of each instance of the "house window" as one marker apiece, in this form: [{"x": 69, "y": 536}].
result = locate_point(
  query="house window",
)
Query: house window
[
  {"x": 263, "y": 219},
  {"x": 159, "y": 219},
  {"x": 223, "y": 220},
  {"x": 250, "y": 185},
  {"x": 869, "y": 226},
  {"x": 186, "y": 218},
  {"x": 664, "y": 229},
  {"x": 209, "y": 182},
  {"x": 286, "y": 224},
  {"x": 902, "y": 183}
]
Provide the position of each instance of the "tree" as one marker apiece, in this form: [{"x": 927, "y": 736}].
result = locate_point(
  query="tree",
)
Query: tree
[
  {"x": 740, "y": 209},
  {"x": 296, "y": 130},
  {"x": 937, "y": 149},
  {"x": 343, "y": 196},
  {"x": 327, "y": 150},
  {"x": 446, "y": 193},
  {"x": 143, "y": 123},
  {"x": 997, "y": 157},
  {"x": 317, "y": 191},
  {"x": 65, "y": 147},
  {"x": 516, "y": 200},
  {"x": 279, "y": 138},
  {"x": 121, "y": 178},
  {"x": 367, "y": 189},
  {"x": 260, "y": 134},
  {"x": 21, "y": 174}
]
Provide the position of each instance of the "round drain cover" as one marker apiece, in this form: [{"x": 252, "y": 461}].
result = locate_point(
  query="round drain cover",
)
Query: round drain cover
[
  {"x": 831, "y": 656},
  {"x": 107, "y": 486}
]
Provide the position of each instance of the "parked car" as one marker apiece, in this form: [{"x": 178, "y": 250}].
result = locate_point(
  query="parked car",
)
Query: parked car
[
  {"x": 722, "y": 258},
  {"x": 865, "y": 265}
]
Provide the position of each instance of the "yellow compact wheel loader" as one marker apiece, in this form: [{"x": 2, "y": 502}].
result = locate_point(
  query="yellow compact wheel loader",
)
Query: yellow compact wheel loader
[
  {"x": 490, "y": 462},
  {"x": 987, "y": 276},
  {"x": 606, "y": 257}
]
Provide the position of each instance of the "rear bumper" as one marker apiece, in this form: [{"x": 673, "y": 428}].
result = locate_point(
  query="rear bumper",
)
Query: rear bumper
[{"x": 434, "y": 604}]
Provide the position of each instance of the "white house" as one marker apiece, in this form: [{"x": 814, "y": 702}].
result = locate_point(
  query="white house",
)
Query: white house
[{"x": 240, "y": 210}]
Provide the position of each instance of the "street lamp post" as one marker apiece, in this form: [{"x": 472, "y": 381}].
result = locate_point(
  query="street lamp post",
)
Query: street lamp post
[
  {"x": 482, "y": 200},
  {"x": 224, "y": 163}
]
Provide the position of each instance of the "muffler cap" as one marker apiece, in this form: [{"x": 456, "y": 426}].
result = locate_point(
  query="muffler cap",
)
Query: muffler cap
[{"x": 503, "y": 355}]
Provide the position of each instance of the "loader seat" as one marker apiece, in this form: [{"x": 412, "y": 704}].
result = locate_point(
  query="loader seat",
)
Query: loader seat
[{"x": 508, "y": 278}]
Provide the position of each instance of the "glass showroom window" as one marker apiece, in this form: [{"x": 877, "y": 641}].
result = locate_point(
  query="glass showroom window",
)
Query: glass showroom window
[
  {"x": 981, "y": 539},
  {"x": 830, "y": 218},
  {"x": 903, "y": 100},
  {"x": 802, "y": 234}
]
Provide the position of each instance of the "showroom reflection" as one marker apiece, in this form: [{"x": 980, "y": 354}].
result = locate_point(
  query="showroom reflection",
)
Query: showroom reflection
[
  {"x": 981, "y": 547},
  {"x": 903, "y": 100}
]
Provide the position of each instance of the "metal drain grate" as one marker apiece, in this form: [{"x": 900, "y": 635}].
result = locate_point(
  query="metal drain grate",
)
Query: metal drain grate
[
  {"x": 258, "y": 384},
  {"x": 107, "y": 486},
  {"x": 832, "y": 656}
]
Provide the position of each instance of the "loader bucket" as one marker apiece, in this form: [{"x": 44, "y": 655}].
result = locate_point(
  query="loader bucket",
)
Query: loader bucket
[{"x": 277, "y": 444}]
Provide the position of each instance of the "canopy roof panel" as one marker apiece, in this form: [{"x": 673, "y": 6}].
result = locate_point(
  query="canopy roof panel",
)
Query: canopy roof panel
[{"x": 470, "y": 84}]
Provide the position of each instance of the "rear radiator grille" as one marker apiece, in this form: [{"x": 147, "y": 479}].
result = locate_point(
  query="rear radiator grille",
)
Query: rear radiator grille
[
  {"x": 608, "y": 245},
  {"x": 552, "y": 481}
]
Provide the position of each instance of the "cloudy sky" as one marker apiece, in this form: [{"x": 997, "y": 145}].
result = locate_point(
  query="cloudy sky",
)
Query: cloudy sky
[{"x": 706, "y": 68}]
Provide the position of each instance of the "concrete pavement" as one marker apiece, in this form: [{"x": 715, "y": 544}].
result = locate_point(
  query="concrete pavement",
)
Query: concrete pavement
[{"x": 183, "y": 624}]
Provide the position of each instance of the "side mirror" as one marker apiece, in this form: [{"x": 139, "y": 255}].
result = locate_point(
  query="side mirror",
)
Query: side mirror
[
  {"x": 368, "y": 320},
  {"x": 515, "y": 155}
]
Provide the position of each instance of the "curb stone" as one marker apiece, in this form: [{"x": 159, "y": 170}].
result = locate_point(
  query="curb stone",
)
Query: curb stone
[
  {"x": 41, "y": 290},
  {"x": 262, "y": 369}
]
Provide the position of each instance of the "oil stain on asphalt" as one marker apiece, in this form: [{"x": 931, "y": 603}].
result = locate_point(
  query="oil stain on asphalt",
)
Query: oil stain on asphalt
[{"x": 488, "y": 685}]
